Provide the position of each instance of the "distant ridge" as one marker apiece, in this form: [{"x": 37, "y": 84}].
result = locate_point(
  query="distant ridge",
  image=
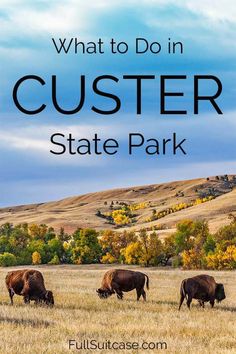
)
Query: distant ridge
[{"x": 82, "y": 211}]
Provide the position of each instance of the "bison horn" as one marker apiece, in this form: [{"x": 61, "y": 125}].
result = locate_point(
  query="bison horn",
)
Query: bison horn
[{"x": 97, "y": 291}]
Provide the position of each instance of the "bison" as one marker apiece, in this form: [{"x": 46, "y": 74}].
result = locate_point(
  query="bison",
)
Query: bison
[
  {"x": 28, "y": 283},
  {"x": 203, "y": 288},
  {"x": 119, "y": 280}
]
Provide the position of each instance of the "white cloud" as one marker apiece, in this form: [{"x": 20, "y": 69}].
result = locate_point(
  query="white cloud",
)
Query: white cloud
[
  {"x": 76, "y": 16},
  {"x": 213, "y": 9},
  {"x": 35, "y": 140},
  {"x": 21, "y": 142}
]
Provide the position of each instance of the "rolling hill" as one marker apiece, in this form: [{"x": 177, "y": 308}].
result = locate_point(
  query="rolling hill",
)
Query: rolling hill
[{"x": 91, "y": 210}]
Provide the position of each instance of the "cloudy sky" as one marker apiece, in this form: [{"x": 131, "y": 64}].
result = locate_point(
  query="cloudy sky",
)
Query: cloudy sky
[{"x": 30, "y": 173}]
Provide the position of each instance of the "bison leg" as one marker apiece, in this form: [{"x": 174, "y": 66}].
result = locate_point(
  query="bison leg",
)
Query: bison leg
[
  {"x": 144, "y": 295},
  {"x": 11, "y": 294},
  {"x": 26, "y": 299},
  {"x": 139, "y": 293},
  {"x": 119, "y": 295},
  {"x": 189, "y": 301},
  {"x": 212, "y": 302},
  {"x": 117, "y": 290},
  {"x": 201, "y": 303},
  {"x": 182, "y": 297}
]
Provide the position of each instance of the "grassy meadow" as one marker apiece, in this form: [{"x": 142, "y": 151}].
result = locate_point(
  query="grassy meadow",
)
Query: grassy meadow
[{"x": 79, "y": 314}]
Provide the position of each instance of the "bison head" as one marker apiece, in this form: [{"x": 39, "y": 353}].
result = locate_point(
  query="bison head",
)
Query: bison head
[
  {"x": 103, "y": 293},
  {"x": 220, "y": 292},
  {"x": 48, "y": 298}
]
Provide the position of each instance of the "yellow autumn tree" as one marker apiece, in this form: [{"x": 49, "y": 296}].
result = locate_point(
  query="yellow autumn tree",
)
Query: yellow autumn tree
[
  {"x": 36, "y": 258},
  {"x": 120, "y": 217},
  {"x": 192, "y": 259},
  {"x": 133, "y": 253},
  {"x": 113, "y": 242},
  {"x": 138, "y": 206},
  {"x": 37, "y": 231},
  {"x": 222, "y": 259},
  {"x": 151, "y": 248},
  {"x": 108, "y": 259}
]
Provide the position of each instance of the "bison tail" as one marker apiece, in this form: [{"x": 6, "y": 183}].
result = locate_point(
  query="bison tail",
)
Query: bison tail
[
  {"x": 147, "y": 282},
  {"x": 182, "y": 289}
]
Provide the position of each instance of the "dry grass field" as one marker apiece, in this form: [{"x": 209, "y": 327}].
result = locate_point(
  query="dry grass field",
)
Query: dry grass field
[{"x": 79, "y": 314}]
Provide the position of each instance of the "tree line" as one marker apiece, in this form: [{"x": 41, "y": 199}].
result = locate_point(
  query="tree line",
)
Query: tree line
[
  {"x": 192, "y": 246},
  {"x": 123, "y": 214}
]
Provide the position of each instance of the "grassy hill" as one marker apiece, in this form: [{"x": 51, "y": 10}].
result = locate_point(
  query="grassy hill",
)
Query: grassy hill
[{"x": 91, "y": 210}]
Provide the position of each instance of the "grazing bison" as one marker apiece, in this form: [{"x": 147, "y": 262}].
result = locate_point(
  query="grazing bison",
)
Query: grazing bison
[
  {"x": 28, "y": 283},
  {"x": 119, "y": 280},
  {"x": 203, "y": 288}
]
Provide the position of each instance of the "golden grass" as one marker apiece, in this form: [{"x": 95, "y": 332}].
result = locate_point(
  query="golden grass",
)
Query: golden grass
[
  {"x": 79, "y": 314},
  {"x": 80, "y": 211}
]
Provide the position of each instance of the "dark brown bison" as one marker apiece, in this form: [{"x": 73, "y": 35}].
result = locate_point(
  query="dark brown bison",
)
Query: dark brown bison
[
  {"x": 28, "y": 283},
  {"x": 119, "y": 280},
  {"x": 203, "y": 288}
]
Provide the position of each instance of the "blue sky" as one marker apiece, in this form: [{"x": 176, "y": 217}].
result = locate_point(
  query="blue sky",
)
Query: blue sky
[{"x": 29, "y": 173}]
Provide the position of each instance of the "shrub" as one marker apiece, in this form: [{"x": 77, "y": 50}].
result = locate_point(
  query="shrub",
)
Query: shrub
[
  {"x": 108, "y": 259},
  {"x": 7, "y": 259},
  {"x": 36, "y": 258},
  {"x": 55, "y": 260},
  {"x": 120, "y": 217},
  {"x": 222, "y": 260},
  {"x": 192, "y": 259},
  {"x": 133, "y": 253},
  {"x": 176, "y": 261}
]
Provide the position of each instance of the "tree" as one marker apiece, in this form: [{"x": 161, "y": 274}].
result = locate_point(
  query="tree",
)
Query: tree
[
  {"x": 87, "y": 248},
  {"x": 184, "y": 236},
  {"x": 55, "y": 260},
  {"x": 4, "y": 244},
  {"x": 151, "y": 248},
  {"x": 18, "y": 238},
  {"x": 200, "y": 231},
  {"x": 98, "y": 213},
  {"x": 133, "y": 253},
  {"x": 226, "y": 235},
  {"x": 63, "y": 236},
  {"x": 55, "y": 246},
  {"x": 36, "y": 258},
  {"x": 168, "y": 249},
  {"x": 24, "y": 256},
  {"x": 108, "y": 258},
  {"x": 50, "y": 234},
  {"x": 222, "y": 260},
  {"x": 120, "y": 217},
  {"x": 38, "y": 231},
  {"x": 6, "y": 229},
  {"x": 209, "y": 245},
  {"x": 67, "y": 252},
  {"x": 192, "y": 259},
  {"x": 114, "y": 242},
  {"x": 41, "y": 247},
  {"x": 7, "y": 259}
]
